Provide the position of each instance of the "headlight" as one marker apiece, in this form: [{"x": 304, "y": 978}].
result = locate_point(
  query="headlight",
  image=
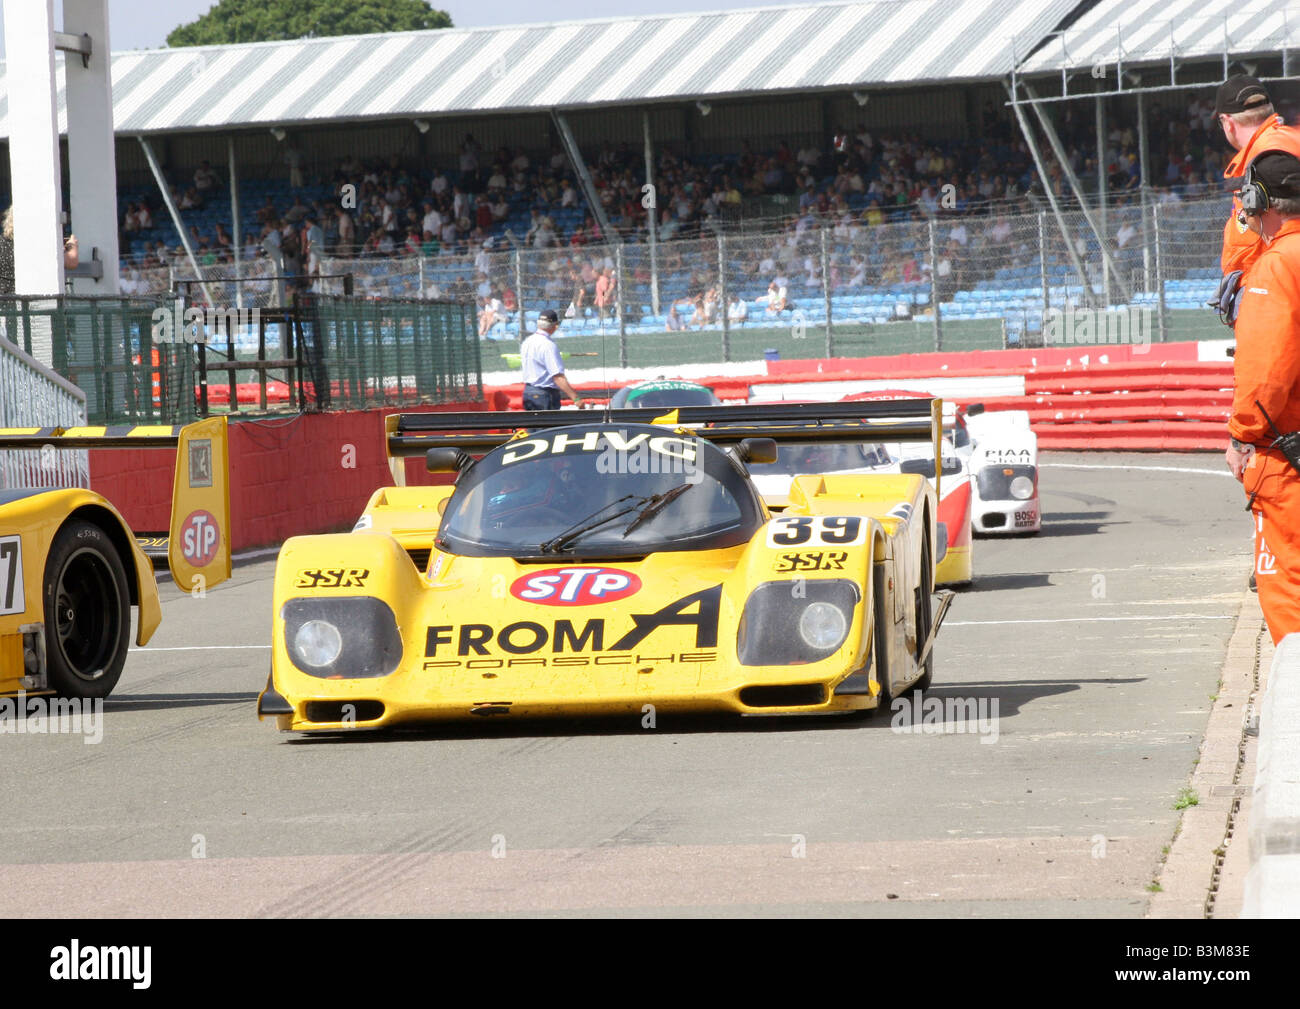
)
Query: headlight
[
  {"x": 341, "y": 637},
  {"x": 822, "y": 626},
  {"x": 792, "y": 622},
  {"x": 318, "y": 642},
  {"x": 1022, "y": 488}
]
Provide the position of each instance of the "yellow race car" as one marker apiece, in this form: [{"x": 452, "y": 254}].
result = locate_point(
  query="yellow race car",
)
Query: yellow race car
[
  {"x": 71, "y": 569},
  {"x": 624, "y": 566}
]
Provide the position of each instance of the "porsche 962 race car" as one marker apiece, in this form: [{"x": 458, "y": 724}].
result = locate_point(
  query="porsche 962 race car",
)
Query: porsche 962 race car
[
  {"x": 71, "y": 569},
  {"x": 582, "y": 567}
]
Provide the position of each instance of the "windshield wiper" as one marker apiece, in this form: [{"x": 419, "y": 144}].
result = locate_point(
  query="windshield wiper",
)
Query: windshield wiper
[
  {"x": 655, "y": 505},
  {"x": 591, "y": 522}
]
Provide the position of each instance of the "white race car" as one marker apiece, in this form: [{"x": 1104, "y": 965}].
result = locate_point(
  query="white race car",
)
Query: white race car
[{"x": 1003, "y": 458}]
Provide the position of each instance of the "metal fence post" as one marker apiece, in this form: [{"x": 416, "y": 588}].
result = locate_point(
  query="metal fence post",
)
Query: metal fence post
[
  {"x": 826, "y": 286},
  {"x": 934, "y": 286},
  {"x": 1042, "y": 261},
  {"x": 619, "y": 306},
  {"x": 722, "y": 294},
  {"x": 1161, "y": 309},
  {"x": 519, "y": 292}
]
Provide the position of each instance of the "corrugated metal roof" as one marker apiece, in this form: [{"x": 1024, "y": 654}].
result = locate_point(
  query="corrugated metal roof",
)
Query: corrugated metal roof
[
  {"x": 1149, "y": 30},
  {"x": 571, "y": 64}
]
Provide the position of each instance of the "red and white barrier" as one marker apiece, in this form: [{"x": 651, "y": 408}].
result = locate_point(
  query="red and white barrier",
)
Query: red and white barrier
[{"x": 1155, "y": 397}]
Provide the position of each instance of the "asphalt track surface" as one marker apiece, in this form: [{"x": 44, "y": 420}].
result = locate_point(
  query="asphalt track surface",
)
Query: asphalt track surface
[{"x": 1100, "y": 641}]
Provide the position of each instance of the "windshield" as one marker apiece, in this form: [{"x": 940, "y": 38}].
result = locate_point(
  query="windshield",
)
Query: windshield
[
  {"x": 793, "y": 459},
  {"x": 591, "y": 491}
]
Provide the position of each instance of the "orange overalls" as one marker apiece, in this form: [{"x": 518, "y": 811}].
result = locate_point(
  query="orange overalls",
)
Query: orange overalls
[
  {"x": 1266, "y": 369},
  {"x": 1241, "y": 246}
]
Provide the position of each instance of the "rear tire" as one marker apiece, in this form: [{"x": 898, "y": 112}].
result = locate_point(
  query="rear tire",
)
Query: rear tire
[
  {"x": 87, "y": 612},
  {"x": 925, "y": 617}
]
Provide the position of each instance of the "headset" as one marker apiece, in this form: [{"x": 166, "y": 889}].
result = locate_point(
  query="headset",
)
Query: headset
[{"x": 1253, "y": 194}]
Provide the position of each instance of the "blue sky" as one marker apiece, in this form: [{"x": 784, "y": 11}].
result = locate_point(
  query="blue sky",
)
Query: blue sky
[{"x": 144, "y": 24}]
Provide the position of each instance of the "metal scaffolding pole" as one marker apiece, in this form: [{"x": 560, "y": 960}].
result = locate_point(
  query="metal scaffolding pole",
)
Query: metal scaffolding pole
[
  {"x": 235, "y": 224},
  {"x": 584, "y": 176},
  {"x": 1098, "y": 232},
  {"x": 1047, "y": 187},
  {"x": 652, "y": 214},
  {"x": 176, "y": 217}
]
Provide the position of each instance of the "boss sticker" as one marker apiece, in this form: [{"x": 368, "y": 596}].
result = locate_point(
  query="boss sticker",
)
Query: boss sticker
[
  {"x": 575, "y": 586},
  {"x": 1025, "y": 518},
  {"x": 812, "y": 560},
  {"x": 331, "y": 578},
  {"x": 11, "y": 575},
  {"x": 832, "y": 530}
]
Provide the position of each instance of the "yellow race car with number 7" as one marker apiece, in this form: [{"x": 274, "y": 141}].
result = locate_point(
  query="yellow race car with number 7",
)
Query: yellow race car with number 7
[
  {"x": 71, "y": 569},
  {"x": 610, "y": 567}
]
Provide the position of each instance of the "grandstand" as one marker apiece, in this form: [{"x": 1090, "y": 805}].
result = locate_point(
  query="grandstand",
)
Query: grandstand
[{"x": 859, "y": 155}]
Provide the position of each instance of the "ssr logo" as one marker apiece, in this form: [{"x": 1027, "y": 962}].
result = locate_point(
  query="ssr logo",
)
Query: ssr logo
[
  {"x": 575, "y": 586},
  {"x": 200, "y": 535},
  {"x": 331, "y": 578}
]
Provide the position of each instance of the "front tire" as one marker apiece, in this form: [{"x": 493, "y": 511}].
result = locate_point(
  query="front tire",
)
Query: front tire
[{"x": 87, "y": 612}]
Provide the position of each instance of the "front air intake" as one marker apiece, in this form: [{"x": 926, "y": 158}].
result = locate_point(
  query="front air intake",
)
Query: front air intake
[
  {"x": 786, "y": 695},
  {"x": 343, "y": 711}
]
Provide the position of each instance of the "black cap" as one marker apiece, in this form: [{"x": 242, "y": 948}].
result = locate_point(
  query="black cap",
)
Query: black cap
[
  {"x": 548, "y": 315},
  {"x": 1240, "y": 94},
  {"x": 1279, "y": 173}
]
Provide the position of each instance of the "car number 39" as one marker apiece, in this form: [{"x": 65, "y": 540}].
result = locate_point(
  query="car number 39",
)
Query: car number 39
[{"x": 833, "y": 530}]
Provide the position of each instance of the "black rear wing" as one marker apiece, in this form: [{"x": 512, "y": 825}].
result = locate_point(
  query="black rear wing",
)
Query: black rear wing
[{"x": 413, "y": 434}]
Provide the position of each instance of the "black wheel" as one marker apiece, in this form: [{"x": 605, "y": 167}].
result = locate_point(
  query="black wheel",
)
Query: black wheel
[
  {"x": 879, "y": 656},
  {"x": 925, "y": 617},
  {"x": 87, "y": 612}
]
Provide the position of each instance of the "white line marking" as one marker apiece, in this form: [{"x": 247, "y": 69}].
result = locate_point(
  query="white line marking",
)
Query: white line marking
[
  {"x": 1149, "y": 469},
  {"x": 197, "y": 648},
  {"x": 1073, "y": 620}
]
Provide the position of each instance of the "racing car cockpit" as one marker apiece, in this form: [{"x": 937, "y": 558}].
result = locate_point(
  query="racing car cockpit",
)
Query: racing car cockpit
[{"x": 599, "y": 490}]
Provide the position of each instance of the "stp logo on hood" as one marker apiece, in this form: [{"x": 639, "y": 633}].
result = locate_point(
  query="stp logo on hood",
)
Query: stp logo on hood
[{"x": 576, "y": 586}]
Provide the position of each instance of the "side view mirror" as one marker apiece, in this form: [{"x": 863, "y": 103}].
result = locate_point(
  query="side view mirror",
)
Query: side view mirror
[
  {"x": 974, "y": 410},
  {"x": 757, "y": 450},
  {"x": 447, "y": 460}
]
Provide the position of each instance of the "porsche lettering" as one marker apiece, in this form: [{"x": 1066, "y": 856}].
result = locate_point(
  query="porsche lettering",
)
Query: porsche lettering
[{"x": 572, "y": 661}]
